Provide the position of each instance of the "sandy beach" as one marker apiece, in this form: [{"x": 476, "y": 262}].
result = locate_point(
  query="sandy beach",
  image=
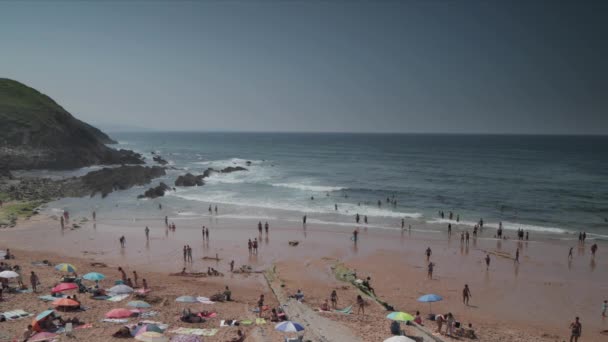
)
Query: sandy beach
[{"x": 531, "y": 301}]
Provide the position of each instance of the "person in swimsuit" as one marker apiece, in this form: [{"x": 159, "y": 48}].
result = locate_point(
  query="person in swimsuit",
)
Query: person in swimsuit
[
  {"x": 334, "y": 299},
  {"x": 466, "y": 294},
  {"x": 360, "y": 305},
  {"x": 487, "y": 261},
  {"x": 576, "y": 329},
  {"x": 428, "y": 253}
]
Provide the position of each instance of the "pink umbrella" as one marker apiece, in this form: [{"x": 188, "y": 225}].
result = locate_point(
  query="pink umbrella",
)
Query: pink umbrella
[
  {"x": 64, "y": 287},
  {"x": 119, "y": 313},
  {"x": 43, "y": 336}
]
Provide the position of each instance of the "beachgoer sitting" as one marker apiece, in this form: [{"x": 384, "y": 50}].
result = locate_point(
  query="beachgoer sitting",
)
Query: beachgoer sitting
[
  {"x": 325, "y": 306},
  {"x": 395, "y": 328},
  {"x": 299, "y": 296},
  {"x": 274, "y": 317},
  {"x": 123, "y": 332},
  {"x": 240, "y": 337},
  {"x": 418, "y": 318}
]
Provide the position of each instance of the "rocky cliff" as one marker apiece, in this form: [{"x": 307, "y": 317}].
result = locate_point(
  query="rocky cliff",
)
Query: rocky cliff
[{"x": 37, "y": 133}]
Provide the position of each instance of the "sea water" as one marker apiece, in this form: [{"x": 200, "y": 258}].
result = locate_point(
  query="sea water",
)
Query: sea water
[{"x": 554, "y": 184}]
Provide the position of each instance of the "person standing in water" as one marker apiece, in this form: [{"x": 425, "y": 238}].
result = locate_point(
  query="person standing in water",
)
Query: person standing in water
[
  {"x": 94, "y": 215},
  {"x": 487, "y": 262},
  {"x": 357, "y": 218},
  {"x": 207, "y": 233},
  {"x": 428, "y": 253},
  {"x": 365, "y": 219},
  {"x": 210, "y": 210},
  {"x": 147, "y": 230},
  {"x": 260, "y": 227},
  {"x": 466, "y": 294},
  {"x": 449, "y": 229},
  {"x": 203, "y": 232},
  {"x": 266, "y": 226},
  {"x": 570, "y": 253},
  {"x": 593, "y": 249},
  {"x": 216, "y": 210},
  {"x": 402, "y": 224},
  {"x": 304, "y": 219},
  {"x": 355, "y": 234},
  {"x": 122, "y": 241},
  {"x": 517, "y": 256},
  {"x": 336, "y": 207}
]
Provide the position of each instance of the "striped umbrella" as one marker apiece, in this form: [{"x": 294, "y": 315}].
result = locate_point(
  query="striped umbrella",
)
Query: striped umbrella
[
  {"x": 69, "y": 268},
  {"x": 288, "y": 326}
]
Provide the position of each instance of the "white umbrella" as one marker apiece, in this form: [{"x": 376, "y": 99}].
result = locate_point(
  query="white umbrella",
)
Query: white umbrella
[
  {"x": 9, "y": 274},
  {"x": 121, "y": 289},
  {"x": 399, "y": 339}
]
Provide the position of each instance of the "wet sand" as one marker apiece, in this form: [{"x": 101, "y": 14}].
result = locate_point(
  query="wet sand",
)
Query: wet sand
[{"x": 534, "y": 300}]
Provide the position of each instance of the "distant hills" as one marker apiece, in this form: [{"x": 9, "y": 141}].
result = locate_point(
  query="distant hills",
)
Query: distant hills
[{"x": 37, "y": 133}]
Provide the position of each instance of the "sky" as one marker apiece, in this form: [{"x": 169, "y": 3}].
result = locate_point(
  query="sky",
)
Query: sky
[{"x": 322, "y": 66}]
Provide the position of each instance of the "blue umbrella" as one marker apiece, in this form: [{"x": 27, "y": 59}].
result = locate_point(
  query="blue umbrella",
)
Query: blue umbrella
[
  {"x": 429, "y": 298},
  {"x": 186, "y": 299},
  {"x": 94, "y": 276},
  {"x": 288, "y": 326},
  {"x": 44, "y": 314}
]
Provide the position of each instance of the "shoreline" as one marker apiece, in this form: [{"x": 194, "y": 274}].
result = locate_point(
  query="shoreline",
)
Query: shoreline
[{"x": 531, "y": 295}]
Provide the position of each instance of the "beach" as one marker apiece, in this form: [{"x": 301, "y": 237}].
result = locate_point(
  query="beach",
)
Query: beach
[{"x": 534, "y": 300}]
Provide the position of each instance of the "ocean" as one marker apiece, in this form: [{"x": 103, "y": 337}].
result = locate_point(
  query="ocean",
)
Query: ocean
[{"x": 553, "y": 184}]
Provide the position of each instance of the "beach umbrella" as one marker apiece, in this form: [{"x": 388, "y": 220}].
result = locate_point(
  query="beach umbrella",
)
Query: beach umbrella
[
  {"x": 429, "y": 298},
  {"x": 69, "y": 268},
  {"x": 288, "y": 326},
  {"x": 44, "y": 314},
  {"x": 42, "y": 336},
  {"x": 94, "y": 276},
  {"x": 151, "y": 336},
  {"x": 139, "y": 304},
  {"x": 147, "y": 327},
  {"x": 64, "y": 287},
  {"x": 120, "y": 289},
  {"x": 399, "y": 339},
  {"x": 185, "y": 338},
  {"x": 65, "y": 302},
  {"x": 186, "y": 299},
  {"x": 119, "y": 313},
  {"x": 8, "y": 274},
  {"x": 400, "y": 316}
]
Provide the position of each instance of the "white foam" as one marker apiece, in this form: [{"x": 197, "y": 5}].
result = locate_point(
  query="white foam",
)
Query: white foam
[
  {"x": 505, "y": 225},
  {"x": 309, "y": 187},
  {"x": 222, "y": 163}
]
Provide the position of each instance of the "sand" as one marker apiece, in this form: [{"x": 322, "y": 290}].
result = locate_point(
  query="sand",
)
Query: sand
[{"x": 531, "y": 301}]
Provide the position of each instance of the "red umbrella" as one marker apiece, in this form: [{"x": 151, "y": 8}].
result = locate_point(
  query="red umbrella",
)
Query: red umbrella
[
  {"x": 119, "y": 313},
  {"x": 64, "y": 287},
  {"x": 65, "y": 302}
]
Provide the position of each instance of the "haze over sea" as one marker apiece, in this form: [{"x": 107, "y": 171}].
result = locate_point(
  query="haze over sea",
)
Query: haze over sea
[{"x": 554, "y": 184}]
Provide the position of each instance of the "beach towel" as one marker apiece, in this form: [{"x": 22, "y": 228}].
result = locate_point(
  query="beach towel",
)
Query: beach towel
[
  {"x": 204, "y": 300},
  {"x": 114, "y": 320},
  {"x": 246, "y": 322},
  {"x": 101, "y": 297},
  {"x": 191, "y": 331},
  {"x": 346, "y": 311},
  {"x": 209, "y": 315},
  {"x": 16, "y": 314},
  {"x": 148, "y": 314},
  {"x": 118, "y": 298},
  {"x": 223, "y": 323},
  {"x": 142, "y": 291},
  {"x": 260, "y": 321},
  {"x": 25, "y": 291},
  {"x": 84, "y": 326},
  {"x": 49, "y": 298},
  {"x": 161, "y": 325}
]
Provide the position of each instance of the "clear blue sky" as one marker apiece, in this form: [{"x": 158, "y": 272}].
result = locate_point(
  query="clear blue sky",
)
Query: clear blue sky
[{"x": 374, "y": 66}]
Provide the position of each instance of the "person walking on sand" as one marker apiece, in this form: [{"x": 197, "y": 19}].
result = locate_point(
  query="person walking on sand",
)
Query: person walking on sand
[
  {"x": 449, "y": 229},
  {"x": 517, "y": 256},
  {"x": 402, "y": 224},
  {"x": 216, "y": 210},
  {"x": 357, "y": 218},
  {"x": 34, "y": 281},
  {"x": 428, "y": 253},
  {"x": 430, "y": 270},
  {"x": 250, "y": 246},
  {"x": 576, "y": 330},
  {"x": 122, "y": 274},
  {"x": 260, "y": 305},
  {"x": 144, "y": 284},
  {"x": 570, "y": 253},
  {"x": 266, "y": 227},
  {"x": 122, "y": 241},
  {"x": 203, "y": 232},
  {"x": 260, "y": 227},
  {"x": 232, "y": 266},
  {"x": 166, "y": 220},
  {"x": 147, "y": 233},
  {"x": 360, "y": 305},
  {"x": 355, "y": 235},
  {"x": 62, "y": 222},
  {"x": 593, "y": 249},
  {"x": 487, "y": 262},
  {"x": 466, "y": 294},
  {"x": 135, "y": 277},
  {"x": 334, "y": 300},
  {"x": 185, "y": 250},
  {"x": 207, "y": 233},
  {"x": 466, "y": 235},
  {"x": 604, "y": 308}
]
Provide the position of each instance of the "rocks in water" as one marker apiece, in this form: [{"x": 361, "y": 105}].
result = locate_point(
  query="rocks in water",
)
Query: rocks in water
[
  {"x": 160, "y": 160},
  {"x": 189, "y": 180},
  {"x": 155, "y": 192}
]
